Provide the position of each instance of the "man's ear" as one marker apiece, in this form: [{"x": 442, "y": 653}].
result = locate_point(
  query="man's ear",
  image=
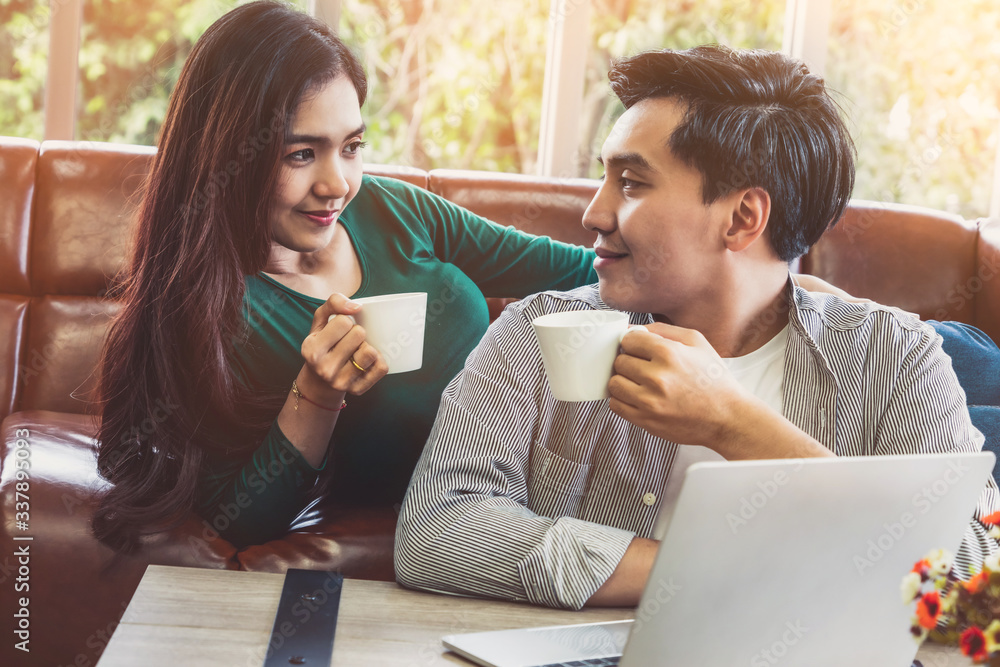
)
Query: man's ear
[{"x": 750, "y": 213}]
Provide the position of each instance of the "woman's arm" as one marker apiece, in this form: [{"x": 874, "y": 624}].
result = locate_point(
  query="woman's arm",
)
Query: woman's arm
[
  {"x": 252, "y": 502},
  {"x": 333, "y": 351},
  {"x": 502, "y": 261}
]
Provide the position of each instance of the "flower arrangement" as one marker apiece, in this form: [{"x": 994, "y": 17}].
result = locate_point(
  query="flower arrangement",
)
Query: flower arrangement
[{"x": 956, "y": 612}]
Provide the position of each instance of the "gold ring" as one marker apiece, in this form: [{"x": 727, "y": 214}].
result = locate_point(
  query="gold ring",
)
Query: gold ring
[{"x": 357, "y": 365}]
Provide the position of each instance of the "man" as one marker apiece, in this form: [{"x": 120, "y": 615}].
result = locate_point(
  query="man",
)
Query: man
[{"x": 724, "y": 167}]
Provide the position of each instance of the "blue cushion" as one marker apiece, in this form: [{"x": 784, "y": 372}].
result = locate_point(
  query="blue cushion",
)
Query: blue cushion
[
  {"x": 975, "y": 358},
  {"x": 987, "y": 419}
]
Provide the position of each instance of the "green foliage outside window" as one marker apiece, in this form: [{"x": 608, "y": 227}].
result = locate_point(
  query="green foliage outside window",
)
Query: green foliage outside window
[{"x": 24, "y": 38}]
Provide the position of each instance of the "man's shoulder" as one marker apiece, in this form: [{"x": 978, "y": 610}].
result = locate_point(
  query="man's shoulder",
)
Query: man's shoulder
[{"x": 869, "y": 321}]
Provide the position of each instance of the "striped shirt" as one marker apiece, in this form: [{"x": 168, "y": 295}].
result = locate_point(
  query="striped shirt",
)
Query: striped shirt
[{"x": 523, "y": 497}]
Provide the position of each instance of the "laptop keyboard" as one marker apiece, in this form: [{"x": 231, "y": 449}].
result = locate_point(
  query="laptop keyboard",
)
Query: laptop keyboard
[{"x": 593, "y": 662}]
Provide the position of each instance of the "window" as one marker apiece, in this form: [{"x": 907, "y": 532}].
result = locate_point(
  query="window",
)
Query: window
[
  {"x": 455, "y": 84},
  {"x": 922, "y": 86},
  {"x": 625, "y": 27},
  {"x": 460, "y": 83}
]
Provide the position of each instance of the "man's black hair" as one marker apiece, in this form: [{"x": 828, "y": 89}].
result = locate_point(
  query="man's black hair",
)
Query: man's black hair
[{"x": 753, "y": 119}]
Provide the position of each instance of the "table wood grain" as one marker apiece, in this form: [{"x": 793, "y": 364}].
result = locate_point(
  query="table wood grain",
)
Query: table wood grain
[{"x": 195, "y": 617}]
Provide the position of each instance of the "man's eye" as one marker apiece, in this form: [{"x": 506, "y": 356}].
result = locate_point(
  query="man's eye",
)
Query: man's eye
[{"x": 628, "y": 183}]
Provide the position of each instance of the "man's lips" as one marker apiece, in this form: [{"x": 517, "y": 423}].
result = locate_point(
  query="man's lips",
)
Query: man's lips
[
  {"x": 606, "y": 258},
  {"x": 604, "y": 253}
]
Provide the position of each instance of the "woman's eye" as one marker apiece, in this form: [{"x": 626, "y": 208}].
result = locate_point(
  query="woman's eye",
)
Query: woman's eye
[
  {"x": 355, "y": 147},
  {"x": 628, "y": 183},
  {"x": 302, "y": 155}
]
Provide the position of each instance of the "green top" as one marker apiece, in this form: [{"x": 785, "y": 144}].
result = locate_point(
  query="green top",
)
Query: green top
[{"x": 407, "y": 240}]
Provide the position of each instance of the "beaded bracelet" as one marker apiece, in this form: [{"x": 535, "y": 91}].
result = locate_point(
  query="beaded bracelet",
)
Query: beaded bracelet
[{"x": 299, "y": 394}]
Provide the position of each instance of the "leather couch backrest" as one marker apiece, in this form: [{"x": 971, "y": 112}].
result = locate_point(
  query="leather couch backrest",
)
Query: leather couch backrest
[
  {"x": 910, "y": 257},
  {"x": 66, "y": 211}
]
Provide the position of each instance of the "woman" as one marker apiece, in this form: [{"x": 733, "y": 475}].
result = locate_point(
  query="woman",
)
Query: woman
[{"x": 255, "y": 212}]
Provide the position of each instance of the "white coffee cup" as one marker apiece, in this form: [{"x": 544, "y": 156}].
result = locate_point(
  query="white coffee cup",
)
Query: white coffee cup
[
  {"x": 578, "y": 350},
  {"x": 394, "y": 324}
]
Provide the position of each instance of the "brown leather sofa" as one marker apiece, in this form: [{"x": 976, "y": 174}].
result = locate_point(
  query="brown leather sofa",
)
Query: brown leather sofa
[{"x": 64, "y": 224}]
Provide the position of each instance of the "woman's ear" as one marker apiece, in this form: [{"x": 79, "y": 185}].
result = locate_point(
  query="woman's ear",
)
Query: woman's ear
[{"x": 750, "y": 213}]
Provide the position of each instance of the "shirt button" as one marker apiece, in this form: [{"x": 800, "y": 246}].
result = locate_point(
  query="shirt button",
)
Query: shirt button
[{"x": 649, "y": 499}]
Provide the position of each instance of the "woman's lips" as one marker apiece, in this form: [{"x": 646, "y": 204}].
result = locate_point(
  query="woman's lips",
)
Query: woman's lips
[{"x": 322, "y": 218}]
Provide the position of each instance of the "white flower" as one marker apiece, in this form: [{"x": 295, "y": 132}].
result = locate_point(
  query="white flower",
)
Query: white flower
[
  {"x": 940, "y": 561},
  {"x": 911, "y": 587},
  {"x": 992, "y": 562}
]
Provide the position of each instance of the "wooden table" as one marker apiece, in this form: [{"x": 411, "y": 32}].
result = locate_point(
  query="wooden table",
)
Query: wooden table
[{"x": 194, "y": 617}]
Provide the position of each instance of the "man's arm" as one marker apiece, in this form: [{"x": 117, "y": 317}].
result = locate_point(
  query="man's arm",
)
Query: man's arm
[
  {"x": 465, "y": 526},
  {"x": 625, "y": 585}
]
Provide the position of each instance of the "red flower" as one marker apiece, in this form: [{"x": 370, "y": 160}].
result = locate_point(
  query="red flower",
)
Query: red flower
[
  {"x": 928, "y": 610},
  {"x": 992, "y": 519},
  {"x": 923, "y": 567},
  {"x": 976, "y": 583},
  {"x": 973, "y": 643}
]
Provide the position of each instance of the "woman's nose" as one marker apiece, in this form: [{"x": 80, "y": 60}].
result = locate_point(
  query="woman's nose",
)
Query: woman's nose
[{"x": 332, "y": 183}]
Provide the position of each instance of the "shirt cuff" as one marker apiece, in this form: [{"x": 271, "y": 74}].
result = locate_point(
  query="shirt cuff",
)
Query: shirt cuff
[{"x": 574, "y": 559}]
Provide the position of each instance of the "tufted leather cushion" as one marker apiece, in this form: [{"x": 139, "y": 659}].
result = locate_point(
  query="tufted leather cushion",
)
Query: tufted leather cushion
[
  {"x": 83, "y": 214},
  {"x": 64, "y": 340}
]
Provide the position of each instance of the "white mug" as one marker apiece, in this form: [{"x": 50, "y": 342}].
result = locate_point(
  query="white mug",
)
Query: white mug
[
  {"x": 394, "y": 324},
  {"x": 578, "y": 350}
]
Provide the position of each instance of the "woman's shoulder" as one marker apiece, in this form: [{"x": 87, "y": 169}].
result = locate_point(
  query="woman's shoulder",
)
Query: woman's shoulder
[
  {"x": 374, "y": 186},
  {"x": 396, "y": 194}
]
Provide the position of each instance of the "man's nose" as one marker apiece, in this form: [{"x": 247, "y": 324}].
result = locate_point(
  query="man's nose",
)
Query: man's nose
[{"x": 600, "y": 214}]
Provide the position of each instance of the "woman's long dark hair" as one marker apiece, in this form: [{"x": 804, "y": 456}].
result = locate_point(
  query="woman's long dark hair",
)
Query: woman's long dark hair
[{"x": 166, "y": 391}]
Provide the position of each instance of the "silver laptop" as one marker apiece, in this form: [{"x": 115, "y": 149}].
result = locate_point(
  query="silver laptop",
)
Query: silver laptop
[{"x": 791, "y": 562}]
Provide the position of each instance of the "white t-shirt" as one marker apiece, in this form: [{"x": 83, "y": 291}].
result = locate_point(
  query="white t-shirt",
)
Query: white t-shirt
[{"x": 760, "y": 373}]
